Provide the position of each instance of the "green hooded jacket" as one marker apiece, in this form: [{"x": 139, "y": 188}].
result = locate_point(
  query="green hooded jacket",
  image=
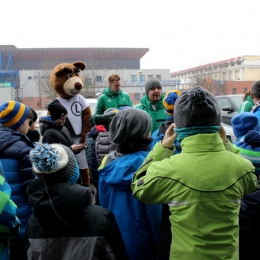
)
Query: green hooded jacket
[
  {"x": 203, "y": 186},
  {"x": 247, "y": 105},
  {"x": 110, "y": 99},
  {"x": 158, "y": 115}
]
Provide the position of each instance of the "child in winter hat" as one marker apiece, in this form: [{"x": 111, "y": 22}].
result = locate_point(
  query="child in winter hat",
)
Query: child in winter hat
[
  {"x": 247, "y": 130},
  {"x": 13, "y": 114},
  {"x": 54, "y": 162},
  {"x": 244, "y": 122},
  {"x": 57, "y": 110},
  {"x": 169, "y": 102},
  {"x": 196, "y": 112},
  {"x": 106, "y": 118},
  {"x": 129, "y": 124}
]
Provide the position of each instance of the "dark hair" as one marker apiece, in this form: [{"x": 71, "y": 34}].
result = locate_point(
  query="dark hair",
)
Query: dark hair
[
  {"x": 34, "y": 116},
  {"x": 30, "y": 115},
  {"x": 256, "y": 89}
]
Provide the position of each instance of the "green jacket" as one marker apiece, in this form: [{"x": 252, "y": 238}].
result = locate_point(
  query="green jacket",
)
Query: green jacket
[
  {"x": 247, "y": 105},
  {"x": 158, "y": 115},
  {"x": 110, "y": 99},
  {"x": 203, "y": 186}
]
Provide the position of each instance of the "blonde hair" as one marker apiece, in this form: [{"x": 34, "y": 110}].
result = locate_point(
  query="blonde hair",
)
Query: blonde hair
[{"x": 247, "y": 93}]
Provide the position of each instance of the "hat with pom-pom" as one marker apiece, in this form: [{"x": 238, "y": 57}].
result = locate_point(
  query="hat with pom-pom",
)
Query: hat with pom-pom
[
  {"x": 169, "y": 100},
  {"x": 54, "y": 162},
  {"x": 196, "y": 107}
]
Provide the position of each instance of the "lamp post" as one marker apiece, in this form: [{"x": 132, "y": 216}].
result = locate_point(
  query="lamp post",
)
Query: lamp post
[{"x": 141, "y": 89}]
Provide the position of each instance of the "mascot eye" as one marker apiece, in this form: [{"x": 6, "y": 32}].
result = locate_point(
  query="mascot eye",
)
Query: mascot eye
[
  {"x": 70, "y": 75},
  {"x": 77, "y": 73}
]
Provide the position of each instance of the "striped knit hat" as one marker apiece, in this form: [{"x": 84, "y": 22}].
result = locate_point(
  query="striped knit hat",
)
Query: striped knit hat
[
  {"x": 54, "y": 162},
  {"x": 169, "y": 101},
  {"x": 249, "y": 147},
  {"x": 13, "y": 114}
]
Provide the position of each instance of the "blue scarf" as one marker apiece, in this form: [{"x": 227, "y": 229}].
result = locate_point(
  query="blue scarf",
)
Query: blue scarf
[{"x": 189, "y": 131}]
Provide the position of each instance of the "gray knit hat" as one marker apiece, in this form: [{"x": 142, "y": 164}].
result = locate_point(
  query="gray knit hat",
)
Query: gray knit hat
[
  {"x": 196, "y": 107},
  {"x": 54, "y": 162},
  {"x": 150, "y": 83},
  {"x": 130, "y": 123}
]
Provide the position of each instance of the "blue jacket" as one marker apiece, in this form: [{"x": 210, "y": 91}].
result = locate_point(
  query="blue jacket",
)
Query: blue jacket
[
  {"x": 257, "y": 113},
  {"x": 138, "y": 222},
  {"x": 14, "y": 156}
]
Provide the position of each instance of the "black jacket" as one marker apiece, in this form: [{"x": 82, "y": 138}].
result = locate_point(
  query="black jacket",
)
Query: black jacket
[
  {"x": 65, "y": 225},
  {"x": 54, "y": 133},
  {"x": 249, "y": 222}
]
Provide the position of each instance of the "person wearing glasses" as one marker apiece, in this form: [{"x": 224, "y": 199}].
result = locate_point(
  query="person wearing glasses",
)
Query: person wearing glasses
[{"x": 112, "y": 96}]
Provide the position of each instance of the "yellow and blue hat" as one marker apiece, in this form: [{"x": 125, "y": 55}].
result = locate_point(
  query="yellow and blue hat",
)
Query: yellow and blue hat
[
  {"x": 170, "y": 99},
  {"x": 13, "y": 114}
]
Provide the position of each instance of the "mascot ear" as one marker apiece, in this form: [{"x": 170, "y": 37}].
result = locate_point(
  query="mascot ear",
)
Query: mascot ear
[
  {"x": 79, "y": 64},
  {"x": 58, "y": 69}
]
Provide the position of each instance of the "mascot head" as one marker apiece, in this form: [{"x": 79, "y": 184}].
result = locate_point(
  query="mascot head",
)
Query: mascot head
[{"x": 66, "y": 80}]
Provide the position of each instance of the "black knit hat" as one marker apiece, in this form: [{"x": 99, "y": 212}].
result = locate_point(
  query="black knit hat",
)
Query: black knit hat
[
  {"x": 196, "y": 107},
  {"x": 57, "y": 110}
]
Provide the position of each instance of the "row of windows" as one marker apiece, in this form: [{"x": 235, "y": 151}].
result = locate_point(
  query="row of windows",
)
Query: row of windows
[
  {"x": 234, "y": 90},
  {"x": 36, "y": 77},
  {"x": 99, "y": 78}
]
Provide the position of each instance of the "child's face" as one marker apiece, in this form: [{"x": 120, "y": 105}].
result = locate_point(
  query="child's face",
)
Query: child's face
[{"x": 23, "y": 129}]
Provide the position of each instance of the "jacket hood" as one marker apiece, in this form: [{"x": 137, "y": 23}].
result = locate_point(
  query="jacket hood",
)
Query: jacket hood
[
  {"x": 146, "y": 102},
  {"x": 46, "y": 123},
  {"x": 58, "y": 206},
  {"x": 109, "y": 93},
  {"x": 8, "y": 137},
  {"x": 117, "y": 174},
  {"x": 249, "y": 98}
]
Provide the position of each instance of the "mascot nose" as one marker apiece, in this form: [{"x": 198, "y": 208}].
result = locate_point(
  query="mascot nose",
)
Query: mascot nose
[{"x": 78, "y": 86}]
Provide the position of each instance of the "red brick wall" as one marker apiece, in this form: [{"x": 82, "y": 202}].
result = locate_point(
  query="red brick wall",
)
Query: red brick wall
[{"x": 238, "y": 85}]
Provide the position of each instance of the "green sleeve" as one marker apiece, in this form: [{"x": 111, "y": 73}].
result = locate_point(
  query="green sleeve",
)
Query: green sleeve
[
  {"x": 100, "y": 107},
  {"x": 144, "y": 180}
]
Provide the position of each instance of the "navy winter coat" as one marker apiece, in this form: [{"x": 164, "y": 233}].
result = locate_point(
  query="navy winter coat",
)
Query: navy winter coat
[{"x": 14, "y": 156}]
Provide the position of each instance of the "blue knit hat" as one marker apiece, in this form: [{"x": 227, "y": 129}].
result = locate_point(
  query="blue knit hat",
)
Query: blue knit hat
[
  {"x": 244, "y": 122},
  {"x": 13, "y": 114},
  {"x": 54, "y": 162},
  {"x": 169, "y": 100}
]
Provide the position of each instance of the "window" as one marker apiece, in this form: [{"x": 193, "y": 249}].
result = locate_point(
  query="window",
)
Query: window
[
  {"x": 42, "y": 77},
  {"x": 137, "y": 96},
  {"x": 142, "y": 77},
  {"x": 230, "y": 75},
  {"x": 159, "y": 77},
  {"x": 29, "y": 77},
  {"x": 245, "y": 90},
  {"x": 150, "y": 76},
  {"x": 234, "y": 90},
  {"x": 35, "y": 77},
  {"x": 99, "y": 78},
  {"x": 133, "y": 78}
]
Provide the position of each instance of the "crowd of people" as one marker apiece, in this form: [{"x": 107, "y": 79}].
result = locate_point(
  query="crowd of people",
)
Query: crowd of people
[{"x": 165, "y": 182}]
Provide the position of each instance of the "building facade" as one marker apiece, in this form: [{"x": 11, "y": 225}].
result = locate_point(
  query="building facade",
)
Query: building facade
[
  {"x": 25, "y": 73},
  {"x": 231, "y": 76}
]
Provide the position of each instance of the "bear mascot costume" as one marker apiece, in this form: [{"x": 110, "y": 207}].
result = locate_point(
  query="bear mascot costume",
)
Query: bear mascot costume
[{"x": 67, "y": 82}]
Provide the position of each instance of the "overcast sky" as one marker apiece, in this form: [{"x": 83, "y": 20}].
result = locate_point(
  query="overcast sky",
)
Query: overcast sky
[{"x": 179, "y": 33}]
